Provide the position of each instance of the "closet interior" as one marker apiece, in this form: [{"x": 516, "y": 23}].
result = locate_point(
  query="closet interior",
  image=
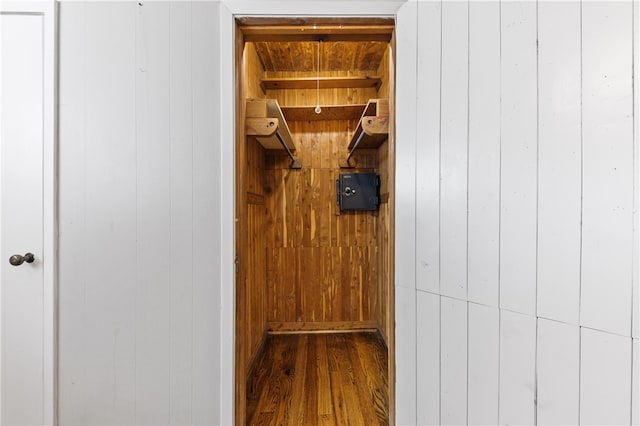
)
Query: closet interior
[{"x": 314, "y": 209}]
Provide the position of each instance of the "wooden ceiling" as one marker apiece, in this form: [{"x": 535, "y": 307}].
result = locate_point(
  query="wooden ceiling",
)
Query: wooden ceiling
[
  {"x": 334, "y": 56},
  {"x": 356, "y": 45}
]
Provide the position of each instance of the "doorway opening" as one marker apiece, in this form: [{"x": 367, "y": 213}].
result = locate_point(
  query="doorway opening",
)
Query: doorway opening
[{"x": 315, "y": 167}]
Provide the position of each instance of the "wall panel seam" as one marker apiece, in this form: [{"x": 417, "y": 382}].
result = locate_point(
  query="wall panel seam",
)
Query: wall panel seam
[
  {"x": 415, "y": 213},
  {"x": 440, "y": 161},
  {"x": 440, "y": 359},
  {"x": 467, "y": 365},
  {"x": 631, "y": 386},
  {"x": 610, "y": 333},
  {"x": 468, "y": 162},
  {"x": 500, "y": 218},
  {"x": 170, "y": 263},
  {"x": 634, "y": 215},
  {"x": 634, "y": 196},
  {"x": 535, "y": 309},
  {"x": 500, "y": 168},
  {"x": 193, "y": 209},
  {"x": 136, "y": 124},
  {"x": 581, "y": 174}
]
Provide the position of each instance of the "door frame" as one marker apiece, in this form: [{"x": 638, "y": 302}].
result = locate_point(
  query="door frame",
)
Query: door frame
[
  {"x": 49, "y": 10},
  {"x": 229, "y": 11}
]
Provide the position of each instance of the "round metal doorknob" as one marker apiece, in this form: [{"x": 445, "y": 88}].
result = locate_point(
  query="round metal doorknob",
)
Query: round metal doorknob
[{"x": 17, "y": 260}]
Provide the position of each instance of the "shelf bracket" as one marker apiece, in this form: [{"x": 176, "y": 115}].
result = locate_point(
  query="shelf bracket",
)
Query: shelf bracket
[
  {"x": 295, "y": 163},
  {"x": 372, "y": 129},
  {"x": 347, "y": 164}
]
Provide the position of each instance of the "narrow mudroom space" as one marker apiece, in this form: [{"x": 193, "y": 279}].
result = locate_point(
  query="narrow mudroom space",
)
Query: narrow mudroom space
[{"x": 314, "y": 215}]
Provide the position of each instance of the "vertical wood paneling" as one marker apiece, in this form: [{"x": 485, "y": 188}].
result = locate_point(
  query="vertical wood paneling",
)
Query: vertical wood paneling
[
  {"x": 635, "y": 327},
  {"x": 256, "y": 282},
  {"x": 559, "y": 166},
  {"x": 72, "y": 351},
  {"x": 427, "y": 179},
  {"x": 326, "y": 267},
  {"x": 127, "y": 346},
  {"x": 181, "y": 227},
  {"x": 635, "y": 383},
  {"x": 607, "y": 166},
  {"x": 207, "y": 187},
  {"x": 253, "y": 73},
  {"x": 453, "y": 149},
  {"x": 453, "y": 361},
  {"x": 518, "y": 157},
  {"x": 483, "y": 365},
  {"x": 406, "y": 30},
  {"x": 252, "y": 306},
  {"x": 109, "y": 299},
  {"x": 558, "y": 373},
  {"x": 484, "y": 152},
  {"x": 605, "y": 378},
  {"x": 517, "y": 368},
  {"x": 405, "y": 208},
  {"x": 411, "y": 371},
  {"x": 228, "y": 127},
  {"x": 428, "y": 358},
  {"x": 384, "y": 247},
  {"x": 383, "y": 71},
  {"x": 153, "y": 159},
  {"x": 306, "y": 97},
  {"x": 96, "y": 346}
]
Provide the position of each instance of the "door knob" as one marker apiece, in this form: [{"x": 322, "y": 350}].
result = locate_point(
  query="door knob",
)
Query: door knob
[{"x": 17, "y": 260}]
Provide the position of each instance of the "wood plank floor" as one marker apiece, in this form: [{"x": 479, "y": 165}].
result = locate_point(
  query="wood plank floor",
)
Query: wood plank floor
[{"x": 320, "y": 379}]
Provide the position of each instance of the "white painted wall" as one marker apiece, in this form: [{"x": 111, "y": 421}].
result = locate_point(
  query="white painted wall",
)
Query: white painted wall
[
  {"x": 531, "y": 225},
  {"x": 140, "y": 184},
  {"x": 516, "y": 173}
]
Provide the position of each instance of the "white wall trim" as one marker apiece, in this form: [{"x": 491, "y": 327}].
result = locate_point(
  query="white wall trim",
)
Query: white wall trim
[
  {"x": 327, "y": 8},
  {"x": 227, "y": 249},
  {"x": 406, "y": 325},
  {"x": 49, "y": 10},
  {"x": 228, "y": 12}
]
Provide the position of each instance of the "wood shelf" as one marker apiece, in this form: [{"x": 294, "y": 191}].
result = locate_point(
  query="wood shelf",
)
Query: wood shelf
[
  {"x": 374, "y": 123},
  {"x": 329, "y": 112},
  {"x": 265, "y": 121},
  {"x": 325, "y": 83}
]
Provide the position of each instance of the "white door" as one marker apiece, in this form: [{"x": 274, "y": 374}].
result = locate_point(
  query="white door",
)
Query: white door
[{"x": 26, "y": 133}]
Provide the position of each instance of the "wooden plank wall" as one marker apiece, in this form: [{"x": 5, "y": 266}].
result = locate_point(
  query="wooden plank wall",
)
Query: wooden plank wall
[
  {"x": 385, "y": 239},
  {"x": 253, "y": 293},
  {"x": 384, "y": 70},
  {"x": 255, "y": 265},
  {"x": 251, "y": 221},
  {"x": 255, "y": 262},
  {"x": 322, "y": 263},
  {"x": 302, "y": 264},
  {"x": 385, "y": 219},
  {"x": 321, "y": 267},
  {"x": 253, "y": 73},
  {"x": 307, "y": 97}
]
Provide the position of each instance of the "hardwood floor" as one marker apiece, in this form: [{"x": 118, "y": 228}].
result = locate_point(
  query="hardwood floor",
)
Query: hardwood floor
[{"x": 320, "y": 379}]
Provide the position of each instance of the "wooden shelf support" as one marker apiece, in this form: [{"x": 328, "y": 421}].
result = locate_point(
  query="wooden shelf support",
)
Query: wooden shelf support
[
  {"x": 265, "y": 121},
  {"x": 372, "y": 130}
]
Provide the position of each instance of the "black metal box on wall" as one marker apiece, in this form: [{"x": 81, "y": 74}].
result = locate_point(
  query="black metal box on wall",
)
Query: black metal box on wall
[{"x": 358, "y": 191}]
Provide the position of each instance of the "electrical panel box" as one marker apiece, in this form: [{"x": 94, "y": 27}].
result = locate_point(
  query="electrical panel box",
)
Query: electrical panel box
[{"x": 358, "y": 191}]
